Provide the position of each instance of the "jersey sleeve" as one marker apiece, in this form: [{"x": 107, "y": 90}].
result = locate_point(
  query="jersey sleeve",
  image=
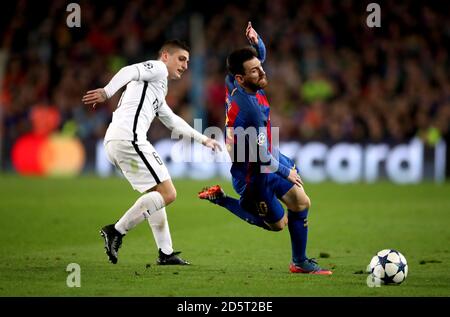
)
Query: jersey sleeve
[
  {"x": 229, "y": 83},
  {"x": 151, "y": 70},
  {"x": 120, "y": 79},
  {"x": 258, "y": 141},
  {"x": 260, "y": 49},
  {"x": 177, "y": 124},
  {"x": 146, "y": 71}
]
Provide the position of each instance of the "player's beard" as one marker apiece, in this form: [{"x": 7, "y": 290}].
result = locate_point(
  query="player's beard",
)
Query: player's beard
[
  {"x": 260, "y": 84},
  {"x": 263, "y": 82}
]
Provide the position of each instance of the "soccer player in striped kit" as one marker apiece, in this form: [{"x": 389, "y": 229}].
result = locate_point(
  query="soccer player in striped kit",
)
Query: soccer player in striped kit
[
  {"x": 261, "y": 175},
  {"x": 127, "y": 147}
]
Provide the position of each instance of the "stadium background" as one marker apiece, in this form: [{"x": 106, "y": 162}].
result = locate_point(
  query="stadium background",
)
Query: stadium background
[
  {"x": 332, "y": 78},
  {"x": 333, "y": 81}
]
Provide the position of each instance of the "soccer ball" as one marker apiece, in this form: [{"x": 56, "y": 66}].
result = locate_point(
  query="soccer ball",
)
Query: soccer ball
[{"x": 388, "y": 267}]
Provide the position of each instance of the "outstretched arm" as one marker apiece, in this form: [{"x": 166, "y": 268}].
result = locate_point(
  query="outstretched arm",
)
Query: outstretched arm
[
  {"x": 256, "y": 41},
  {"x": 174, "y": 122},
  {"x": 123, "y": 77},
  {"x": 93, "y": 97},
  {"x": 251, "y": 34},
  {"x": 146, "y": 71}
]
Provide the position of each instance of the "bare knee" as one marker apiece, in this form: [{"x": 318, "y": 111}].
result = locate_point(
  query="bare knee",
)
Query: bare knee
[
  {"x": 169, "y": 196},
  {"x": 305, "y": 204},
  {"x": 167, "y": 191},
  {"x": 278, "y": 226},
  {"x": 296, "y": 199},
  {"x": 301, "y": 204},
  {"x": 275, "y": 227}
]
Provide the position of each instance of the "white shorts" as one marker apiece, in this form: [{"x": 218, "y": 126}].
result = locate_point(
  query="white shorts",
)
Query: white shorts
[{"x": 139, "y": 163}]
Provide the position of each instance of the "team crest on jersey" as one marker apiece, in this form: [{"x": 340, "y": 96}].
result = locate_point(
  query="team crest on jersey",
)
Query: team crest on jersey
[
  {"x": 261, "y": 139},
  {"x": 148, "y": 65}
]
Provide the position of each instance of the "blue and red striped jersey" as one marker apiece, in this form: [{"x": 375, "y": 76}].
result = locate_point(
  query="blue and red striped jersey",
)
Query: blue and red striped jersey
[{"x": 247, "y": 110}]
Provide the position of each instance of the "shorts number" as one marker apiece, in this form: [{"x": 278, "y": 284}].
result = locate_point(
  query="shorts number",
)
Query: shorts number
[
  {"x": 157, "y": 158},
  {"x": 262, "y": 208}
]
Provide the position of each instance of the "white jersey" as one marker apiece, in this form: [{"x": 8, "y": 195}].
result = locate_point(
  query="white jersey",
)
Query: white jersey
[
  {"x": 125, "y": 141},
  {"x": 143, "y": 99},
  {"x": 139, "y": 102}
]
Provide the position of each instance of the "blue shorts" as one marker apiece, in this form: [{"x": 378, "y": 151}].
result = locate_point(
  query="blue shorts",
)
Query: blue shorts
[{"x": 261, "y": 195}]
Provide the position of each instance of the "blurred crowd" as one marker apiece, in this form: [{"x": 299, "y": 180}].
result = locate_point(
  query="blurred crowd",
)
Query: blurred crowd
[{"x": 331, "y": 77}]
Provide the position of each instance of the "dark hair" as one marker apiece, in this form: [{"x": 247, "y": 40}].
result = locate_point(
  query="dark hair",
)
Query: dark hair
[
  {"x": 172, "y": 45},
  {"x": 236, "y": 60}
]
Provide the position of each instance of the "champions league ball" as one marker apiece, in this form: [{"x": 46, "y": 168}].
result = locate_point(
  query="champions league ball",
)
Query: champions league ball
[{"x": 388, "y": 267}]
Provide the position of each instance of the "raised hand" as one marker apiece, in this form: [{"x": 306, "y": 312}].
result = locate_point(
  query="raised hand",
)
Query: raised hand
[{"x": 251, "y": 34}]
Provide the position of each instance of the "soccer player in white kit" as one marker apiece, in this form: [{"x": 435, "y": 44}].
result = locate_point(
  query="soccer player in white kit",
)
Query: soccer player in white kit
[{"x": 127, "y": 147}]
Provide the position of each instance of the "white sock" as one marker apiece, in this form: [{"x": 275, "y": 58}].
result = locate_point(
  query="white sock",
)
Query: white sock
[
  {"x": 146, "y": 205},
  {"x": 160, "y": 228}
]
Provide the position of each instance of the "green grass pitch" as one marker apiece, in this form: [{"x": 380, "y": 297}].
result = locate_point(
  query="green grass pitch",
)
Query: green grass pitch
[{"x": 48, "y": 223}]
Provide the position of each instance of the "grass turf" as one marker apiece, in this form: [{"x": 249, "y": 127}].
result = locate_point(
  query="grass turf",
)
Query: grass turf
[{"x": 48, "y": 223}]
